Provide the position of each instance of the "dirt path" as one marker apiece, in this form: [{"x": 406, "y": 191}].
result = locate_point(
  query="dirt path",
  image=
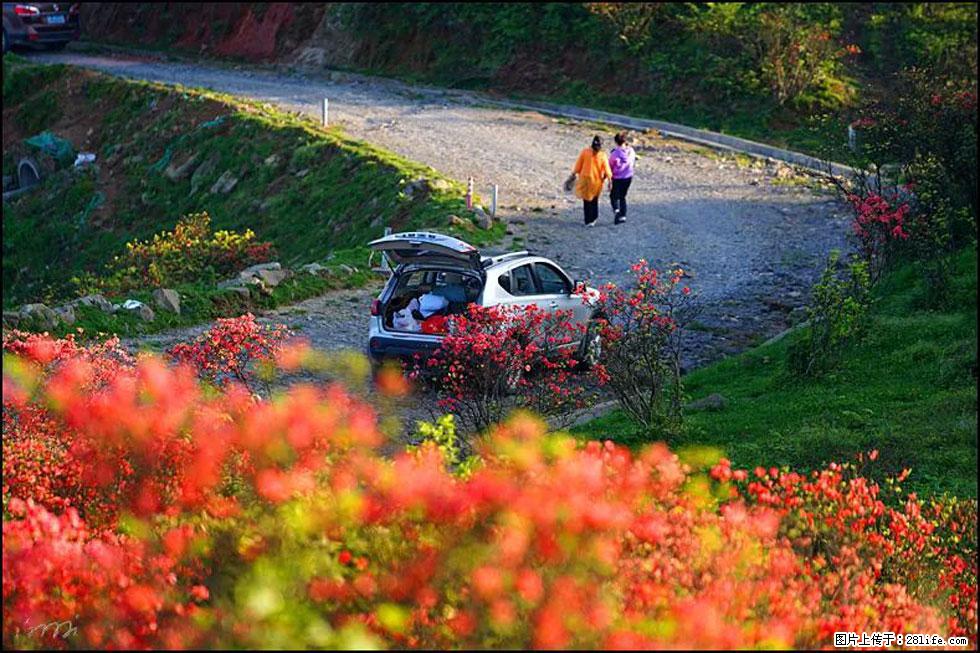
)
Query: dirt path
[{"x": 752, "y": 247}]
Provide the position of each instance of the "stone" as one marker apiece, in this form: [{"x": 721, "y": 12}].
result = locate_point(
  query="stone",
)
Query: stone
[
  {"x": 482, "y": 217},
  {"x": 272, "y": 160},
  {"x": 714, "y": 401},
  {"x": 178, "y": 171},
  {"x": 65, "y": 313},
  {"x": 225, "y": 183},
  {"x": 253, "y": 270},
  {"x": 97, "y": 300},
  {"x": 167, "y": 299},
  {"x": 346, "y": 269},
  {"x": 204, "y": 171},
  {"x": 42, "y": 316},
  {"x": 144, "y": 312},
  {"x": 11, "y": 319},
  {"x": 303, "y": 172},
  {"x": 439, "y": 184},
  {"x": 456, "y": 221},
  {"x": 314, "y": 268},
  {"x": 241, "y": 291},
  {"x": 272, "y": 278}
]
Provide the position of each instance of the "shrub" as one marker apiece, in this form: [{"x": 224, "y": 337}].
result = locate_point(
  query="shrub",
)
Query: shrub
[
  {"x": 186, "y": 254},
  {"x": 837, "y": 316},
  {"x": 642, "y": 330},
  {"x": 287, "y": 528},
  {"x": 496, "y": 358},
  {"x": 230, "y": 350}
]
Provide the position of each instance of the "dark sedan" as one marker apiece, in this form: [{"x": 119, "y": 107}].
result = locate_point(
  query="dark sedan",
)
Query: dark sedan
[{"x": 44, "y": 24}]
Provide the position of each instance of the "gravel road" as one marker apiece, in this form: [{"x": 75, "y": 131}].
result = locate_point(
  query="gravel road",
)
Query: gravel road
[{"x": 751, "y": 243}]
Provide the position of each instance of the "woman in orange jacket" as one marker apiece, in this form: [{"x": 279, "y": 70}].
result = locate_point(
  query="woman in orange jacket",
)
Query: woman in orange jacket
[{"x": 592, "y": 170}]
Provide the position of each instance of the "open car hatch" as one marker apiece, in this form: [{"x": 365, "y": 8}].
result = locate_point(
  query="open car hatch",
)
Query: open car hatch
[{"x": 424, "y": 246}]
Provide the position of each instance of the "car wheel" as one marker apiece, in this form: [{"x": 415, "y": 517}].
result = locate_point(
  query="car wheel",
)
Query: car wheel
[{"x": 590, "y": 351}]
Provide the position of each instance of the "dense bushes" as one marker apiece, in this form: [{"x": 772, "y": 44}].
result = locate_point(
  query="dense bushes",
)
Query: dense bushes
[
  {"x": 189, "y": 253},
  {"x": 276, "y": 523},
  {"x": 496, "y": 358},
  {"x": 642, "y": 328}
]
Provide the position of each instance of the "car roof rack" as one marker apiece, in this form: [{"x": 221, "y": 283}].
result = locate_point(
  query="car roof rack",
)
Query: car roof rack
[{"x": 500, "y": 258}]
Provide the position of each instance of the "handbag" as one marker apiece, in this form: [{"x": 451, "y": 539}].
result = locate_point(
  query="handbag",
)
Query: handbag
[{"x": 570, "y": 183}]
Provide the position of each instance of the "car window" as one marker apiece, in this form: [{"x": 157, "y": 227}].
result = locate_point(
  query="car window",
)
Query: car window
[
  {"x": 522, "y": 281},
  {"x": 504, "y": 281},
  {"x": 551, "y": 280}
]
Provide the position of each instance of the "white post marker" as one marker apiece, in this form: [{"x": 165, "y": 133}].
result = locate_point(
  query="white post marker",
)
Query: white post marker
[
  {"x": 493, "y": 204},
  {"x": 469, "y": 193},
  {"x": 326, "y": 111},
  {"x": 852, "y": 138}
]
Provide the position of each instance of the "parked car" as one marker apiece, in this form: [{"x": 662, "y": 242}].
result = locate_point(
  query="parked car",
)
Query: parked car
[
  {"x": 450, "y": 274},
  {"x": 42, "y": 24}
]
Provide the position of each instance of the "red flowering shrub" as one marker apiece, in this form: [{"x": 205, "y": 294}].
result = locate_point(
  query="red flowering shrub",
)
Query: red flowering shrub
[
  {"x": 278, "y": 523},
  {"x": 184, "y": 255},
  {"x": 641, "y": 335},
  {"x": 877, "y": 224},
  {"x": 229, "y": 350},
  {"x": 500, "y": 357}
]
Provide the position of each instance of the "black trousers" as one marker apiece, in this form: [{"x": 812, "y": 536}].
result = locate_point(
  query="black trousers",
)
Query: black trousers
[
  {"x": 591, "y": 210},
  {"x": 618, "y": 196}
]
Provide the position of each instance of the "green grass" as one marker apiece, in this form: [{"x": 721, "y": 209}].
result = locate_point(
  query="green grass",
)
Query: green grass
[
  {"x": 909, "y": 390},
  {"x": 311, "y": 191}
]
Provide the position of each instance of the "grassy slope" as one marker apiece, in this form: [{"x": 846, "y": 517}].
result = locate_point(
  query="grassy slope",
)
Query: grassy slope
[
  {"x": 350, "y": 192},
  {"x": 908, "y": 390}
]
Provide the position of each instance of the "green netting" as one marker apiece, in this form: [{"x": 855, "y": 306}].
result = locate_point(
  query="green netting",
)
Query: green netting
[{"x": 56, "y": 146}]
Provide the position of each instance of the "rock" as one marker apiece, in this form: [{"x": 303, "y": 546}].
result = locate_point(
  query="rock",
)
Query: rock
[
  {"x": 346, "y": 269},
  {"x": 482, "y": 217},
  {"x": 42, "y": 316},
  {"x": 96, "y": 300},
  {"x": 253, "y": 270},
  {"x": 11, "y": 319},
  {"x": 314, "y": 268},
  {"x": 303, "y": 172},
  {"x": 272, "y": 160},
  {"x": 225, "y": 183},
  {"x": 272, "y": 278},
  {"x": 456, "y": 221},
  {"x": 177, "y": 172},
  {"x": 65, "y": 313},
  {"x": 142, "y": 310},
  {"x": 204, "y": 171},
  {"x": 167, "y": 299},
  {"x": 714, "y": 401},
  {"x": 439, "y": 184}
]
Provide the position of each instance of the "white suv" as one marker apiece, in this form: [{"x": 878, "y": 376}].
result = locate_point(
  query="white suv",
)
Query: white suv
[{"x": 441, "y": 275}]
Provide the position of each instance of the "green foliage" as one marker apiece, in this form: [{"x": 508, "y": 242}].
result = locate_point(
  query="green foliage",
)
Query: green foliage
[
  {"x": 41, "y": 110},
  {"x": 311, "y": 192},
  {"x": 191, "y": 252},
  {"x": 908, "y": 388},
  {"x": 442, "y": 434},
  {"x": 837, "y": 316}
]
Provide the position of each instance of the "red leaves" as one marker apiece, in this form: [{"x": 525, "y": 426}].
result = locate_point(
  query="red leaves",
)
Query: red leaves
[
  {"x": 231, "y": 348},
  {"x": 548, "y": 542}
]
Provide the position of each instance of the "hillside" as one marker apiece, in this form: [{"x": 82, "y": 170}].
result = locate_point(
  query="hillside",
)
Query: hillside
[
  {"x": 163, "y": 152},
  {"x": 909, "y": 390},
  {"x": 759, "y": 71}
]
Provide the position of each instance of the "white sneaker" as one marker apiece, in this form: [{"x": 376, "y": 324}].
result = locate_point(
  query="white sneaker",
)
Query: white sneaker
[{"x": 590, "y": 224}]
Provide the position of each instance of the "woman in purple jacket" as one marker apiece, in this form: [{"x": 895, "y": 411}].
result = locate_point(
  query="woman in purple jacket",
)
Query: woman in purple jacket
[{"x": 622, "y": 161}]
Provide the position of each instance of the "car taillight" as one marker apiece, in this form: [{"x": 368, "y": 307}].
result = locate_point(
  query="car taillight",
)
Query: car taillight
[
  {"x": 376, "y": 307},
  {"x": 26, "y": 10}
]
